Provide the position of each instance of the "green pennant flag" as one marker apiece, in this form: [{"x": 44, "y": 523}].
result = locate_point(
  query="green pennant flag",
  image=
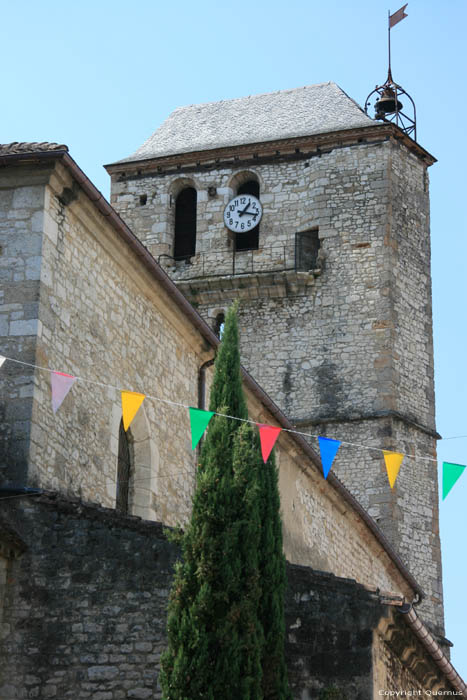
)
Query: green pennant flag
[
  {"x": 199, "y": 420},
  {"x": 451, "y": 473}
]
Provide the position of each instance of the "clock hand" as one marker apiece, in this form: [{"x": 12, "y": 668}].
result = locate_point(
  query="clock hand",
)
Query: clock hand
[{"x": 240, "y": 213}]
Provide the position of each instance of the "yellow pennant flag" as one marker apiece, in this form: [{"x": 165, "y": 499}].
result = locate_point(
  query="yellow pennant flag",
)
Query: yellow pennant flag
[
  {"x": 131, "y": 401},
  {"x": 393, "y": 464}
]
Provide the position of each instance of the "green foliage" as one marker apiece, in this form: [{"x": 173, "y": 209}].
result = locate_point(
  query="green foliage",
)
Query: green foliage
[
  {"x": 174, "y": 535},
  {"x": 225, "y": 622},
  {"x": 272, "y": 567},
  {"x": 227, "y": 391}
]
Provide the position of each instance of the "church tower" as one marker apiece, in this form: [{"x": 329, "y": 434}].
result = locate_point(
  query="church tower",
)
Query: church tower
[{"x": 327, "y": 248}]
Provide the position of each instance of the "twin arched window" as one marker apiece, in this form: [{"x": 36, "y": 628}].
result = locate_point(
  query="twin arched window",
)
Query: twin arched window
[{"x": 185, "y": 222}]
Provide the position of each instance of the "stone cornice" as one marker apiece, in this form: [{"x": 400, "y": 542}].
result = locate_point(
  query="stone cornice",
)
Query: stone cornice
[
  {"x": 413, "y": 644},
  {"x": 396, "y": 415},
  {"x": 299, "y": 148},
  {"x": 248, "y": 285}
]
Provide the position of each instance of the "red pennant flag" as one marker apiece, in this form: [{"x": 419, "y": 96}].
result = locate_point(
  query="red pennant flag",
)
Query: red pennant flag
[
  {"x": 268, "y": 436},
  {"x": 397, "y": 16}
]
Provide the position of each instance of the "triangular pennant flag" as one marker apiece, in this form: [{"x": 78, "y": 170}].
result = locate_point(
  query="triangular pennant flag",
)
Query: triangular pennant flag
[
  {"x": 2, "y": 360},
  {"x": 328, "y": 450},
  {"x": 61, "y": 384},
  {"x": 131, "y": 401},
  {"x": 268, "y": 435},
  {"x": 199, "y": 420},
  {"x": 451, "y": 473},
  {"x": 393, "y": 464}
]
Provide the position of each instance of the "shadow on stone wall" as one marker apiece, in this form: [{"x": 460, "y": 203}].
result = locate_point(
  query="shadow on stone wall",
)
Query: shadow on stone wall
[{"x": 85, "y": 610}]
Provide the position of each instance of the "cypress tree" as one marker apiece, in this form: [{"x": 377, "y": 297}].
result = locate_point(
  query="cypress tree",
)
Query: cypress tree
[
  {"x": 219, "y": 633},
  {"x": 273, "y": 583}
]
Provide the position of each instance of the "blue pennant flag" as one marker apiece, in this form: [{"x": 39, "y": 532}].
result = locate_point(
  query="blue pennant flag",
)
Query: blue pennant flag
[{"x": 328, "y": 450}]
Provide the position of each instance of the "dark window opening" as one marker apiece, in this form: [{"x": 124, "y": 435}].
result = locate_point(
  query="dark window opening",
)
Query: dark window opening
[
  {"x": 185, "y": 224},
  {"x": 123, "y": 471},
  {"x": 307, "y": 246},
  {"x": 143, "y": 198},
  {"x": 248, "y": 240},
  {"x": 219, "y": 325}
]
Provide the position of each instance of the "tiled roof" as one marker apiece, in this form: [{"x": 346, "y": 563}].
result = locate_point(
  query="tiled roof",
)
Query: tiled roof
[
  {"x": 7, "y": 149},
  {"x": 314, "y": 109}
]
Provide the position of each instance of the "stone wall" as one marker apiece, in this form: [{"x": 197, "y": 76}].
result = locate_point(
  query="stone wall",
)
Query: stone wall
[
  {"x": 345, "y": 643},
  {"x": 103, "y": 319},
  {"x": 322, "y": 532},
  {"x": 85, "y": 608},
  {"x": 334, "y": 343},
  {"x": 85, "y": 611},
  {"x": 370, "y": 204},
  {"x": 341, "y": 347},
  {"x": 21, "y": 225},
  {"x": 408, "y": 514}
]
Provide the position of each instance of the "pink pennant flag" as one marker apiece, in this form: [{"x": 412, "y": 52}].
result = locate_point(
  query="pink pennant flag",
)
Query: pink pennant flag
[
  {"x": 61, "y": 384},
  {"x": 268, "y": 436}
]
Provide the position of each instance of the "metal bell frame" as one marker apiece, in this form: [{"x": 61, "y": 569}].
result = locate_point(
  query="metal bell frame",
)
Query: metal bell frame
[{"x": 406, "y": 123}]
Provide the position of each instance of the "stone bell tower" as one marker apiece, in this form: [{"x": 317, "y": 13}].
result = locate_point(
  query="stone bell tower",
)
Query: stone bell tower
[{"x": 334, "y": 283}]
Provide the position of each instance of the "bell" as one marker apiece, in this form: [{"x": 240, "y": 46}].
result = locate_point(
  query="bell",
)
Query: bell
[{"x": 387, "y": 103}]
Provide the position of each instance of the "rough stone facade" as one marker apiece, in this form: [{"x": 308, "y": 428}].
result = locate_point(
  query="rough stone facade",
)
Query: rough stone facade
[
  {"x": 345, "y": 642},
  {"x": 96, "y": 317},
  {"x": 101, "y": 317},
  {"x": 21, "y": 226},
  {"x": 104, "y": 312},
  {"x": 85, "y": 609},
  {"x": 345, "y": 349}
]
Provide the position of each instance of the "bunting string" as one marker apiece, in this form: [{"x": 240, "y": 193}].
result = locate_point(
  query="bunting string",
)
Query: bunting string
[{"x": 199, "y": 420}]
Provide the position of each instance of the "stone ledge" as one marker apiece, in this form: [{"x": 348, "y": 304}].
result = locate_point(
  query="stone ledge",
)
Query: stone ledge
[{"x": 248, "y": 285}]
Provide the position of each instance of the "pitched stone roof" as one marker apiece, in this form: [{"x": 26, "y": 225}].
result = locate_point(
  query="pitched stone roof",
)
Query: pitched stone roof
[
  {"x": 7, "y": 149},
  {"x": 305, "y": 111}
]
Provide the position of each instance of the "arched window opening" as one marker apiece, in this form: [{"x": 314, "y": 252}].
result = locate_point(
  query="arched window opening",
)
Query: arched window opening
[
  {"x": 248, "y": 240},
  {"x": 124, "y": 470},
  {"x": 185, "y": 224},
  {"x": 219, "y": 325}
]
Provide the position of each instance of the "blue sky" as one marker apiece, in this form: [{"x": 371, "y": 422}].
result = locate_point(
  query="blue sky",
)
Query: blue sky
[{"x": 101, "y": 76}]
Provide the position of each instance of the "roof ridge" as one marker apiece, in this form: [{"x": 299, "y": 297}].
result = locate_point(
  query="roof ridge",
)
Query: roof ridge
[
  {"x": 259, "y": 94},
  {"x": 31, "y": 147}
]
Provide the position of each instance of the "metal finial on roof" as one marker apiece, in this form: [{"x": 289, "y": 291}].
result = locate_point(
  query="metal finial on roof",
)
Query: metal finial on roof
[{"x": 388, "y": 106}]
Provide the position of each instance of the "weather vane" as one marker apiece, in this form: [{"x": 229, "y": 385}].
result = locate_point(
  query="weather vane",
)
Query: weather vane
[{"x": 388, "y": 106}]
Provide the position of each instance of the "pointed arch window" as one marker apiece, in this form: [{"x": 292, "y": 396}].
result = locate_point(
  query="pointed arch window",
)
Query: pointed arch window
[
  {"x": 248, "y": 240},
  {"x": 124, "y": 470},
  {"x": 185, "y": 223}
]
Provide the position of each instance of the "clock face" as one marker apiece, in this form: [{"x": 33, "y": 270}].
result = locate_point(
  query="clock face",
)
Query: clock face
[{"x": 243, "y": 213}]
